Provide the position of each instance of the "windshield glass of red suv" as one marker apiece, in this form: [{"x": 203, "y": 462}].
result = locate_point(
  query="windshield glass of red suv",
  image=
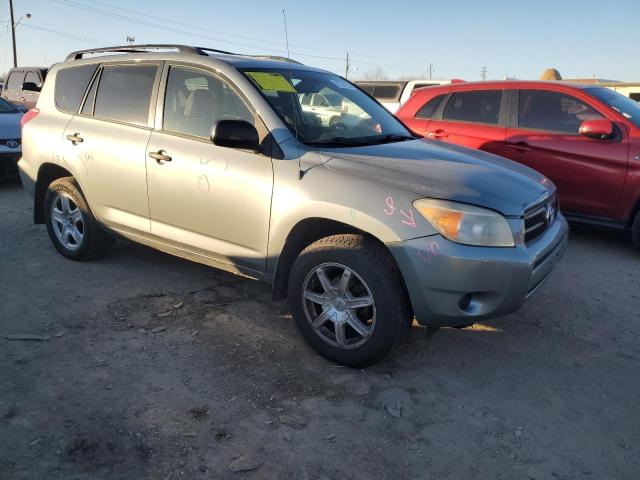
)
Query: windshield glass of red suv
[
  {"x": 322, "y": 109},
  {"x": 629, "y": 109}
]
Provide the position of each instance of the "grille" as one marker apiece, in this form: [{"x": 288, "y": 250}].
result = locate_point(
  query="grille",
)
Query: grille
[
  {"x": 537, "y": 220},
  {"x": 4, "y": 141}
]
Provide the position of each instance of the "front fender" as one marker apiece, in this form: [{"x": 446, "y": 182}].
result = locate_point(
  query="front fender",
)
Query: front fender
[{"x": 385, "y": 212}]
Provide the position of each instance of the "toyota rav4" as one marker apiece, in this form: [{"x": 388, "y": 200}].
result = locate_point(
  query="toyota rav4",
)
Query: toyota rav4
[{"x": 210, "y": 156}]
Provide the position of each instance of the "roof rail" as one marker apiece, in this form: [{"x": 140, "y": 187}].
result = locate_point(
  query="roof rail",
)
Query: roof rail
[{"x": 77, "y": 55}]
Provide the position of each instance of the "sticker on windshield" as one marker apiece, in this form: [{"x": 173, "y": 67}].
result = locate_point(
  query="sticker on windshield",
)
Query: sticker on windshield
[
  {"x": 342, "y": 84},
  {"x": 272, "y": 82}
]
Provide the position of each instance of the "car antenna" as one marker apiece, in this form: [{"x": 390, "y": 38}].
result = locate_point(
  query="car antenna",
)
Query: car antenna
[{"x": 293, "y": 106}]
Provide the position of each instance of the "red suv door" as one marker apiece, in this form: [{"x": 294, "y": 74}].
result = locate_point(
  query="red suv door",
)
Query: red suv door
[
  {"x": 473, "y": 119},
  {"x": 543, "y": 134}
]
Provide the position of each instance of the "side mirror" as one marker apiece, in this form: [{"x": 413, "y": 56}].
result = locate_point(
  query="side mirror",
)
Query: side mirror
[
  {"x": 30, "y": 87},
  {"x": 235, "y": 134},
  {"x": 597, "y": 129}
]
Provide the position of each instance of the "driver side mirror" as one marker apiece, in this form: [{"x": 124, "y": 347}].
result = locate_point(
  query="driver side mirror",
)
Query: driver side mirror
[
  {"x": 30, "y": 87},
  {"x": 597, "y": 129},
  {"x": 235, "y": 134}
]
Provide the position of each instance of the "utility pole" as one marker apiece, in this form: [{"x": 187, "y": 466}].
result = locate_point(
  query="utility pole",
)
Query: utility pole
[
  {"x": 483, "y": 73},
  {"x": 346, "y": 68},
  {"x": 431, "y": 71},
  {"x": 13, "y": 34}
]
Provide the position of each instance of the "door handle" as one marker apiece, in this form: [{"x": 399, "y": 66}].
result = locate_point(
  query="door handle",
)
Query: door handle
[
  {"x": 160, "y": 157},
  {"x": 521, "y": 147},
  {"x": 75, "y": 138},
  {"x": 438, "y": 134}
]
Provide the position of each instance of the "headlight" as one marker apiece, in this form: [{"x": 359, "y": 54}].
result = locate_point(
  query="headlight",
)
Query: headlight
[{"x": 466, "y": 224}]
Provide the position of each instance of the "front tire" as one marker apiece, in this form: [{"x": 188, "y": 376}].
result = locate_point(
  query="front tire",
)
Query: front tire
[
  {"x": 347, "y": 299},
  {"x": 635, "y": 230},
  {"x": 72, "y": 228}
]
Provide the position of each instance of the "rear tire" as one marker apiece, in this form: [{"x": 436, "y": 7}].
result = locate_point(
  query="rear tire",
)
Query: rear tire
[
  {"x": 348, "y": 299},
  {"x": 72, "y": 228}
]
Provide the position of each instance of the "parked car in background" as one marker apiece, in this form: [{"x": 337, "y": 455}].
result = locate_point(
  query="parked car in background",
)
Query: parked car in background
[
  {"x": 10, "y": 139},
  {"x": 210, "y": 156},
  {"x": 392, "y": 94},
  {"x": 23, "y": 85},
  {"x": 585, "y": 138}
]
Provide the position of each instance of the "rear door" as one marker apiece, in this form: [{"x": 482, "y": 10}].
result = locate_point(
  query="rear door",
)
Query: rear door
[
  {"x": 13, "y": 88},
  {"x": 473, "y": 118},
  {"x": 108, "y": 140},
  {"x": 543, "y": 134}
]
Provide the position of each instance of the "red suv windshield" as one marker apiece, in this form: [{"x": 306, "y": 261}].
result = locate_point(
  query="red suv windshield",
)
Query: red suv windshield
[{"x": 629, "y": 109}]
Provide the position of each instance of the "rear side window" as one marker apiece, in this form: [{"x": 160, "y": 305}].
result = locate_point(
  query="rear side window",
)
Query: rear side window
[
  {"x": 14, "y": 82},
  {"x": 554, "y": 111},
  {"x": 635, "y": 96},
  {"x": 387, "y": 92},
  {"x": 33, "y": 77},
  {"x": 482, "y": 106},
  {"x": 368, "y": 88},
  {"x": 124, "y": 93},
  {"x": 71, "y": 83},
  {"x": 429, "y": 108}
]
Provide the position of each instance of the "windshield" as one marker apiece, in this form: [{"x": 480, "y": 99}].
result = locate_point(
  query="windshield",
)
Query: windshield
[
  {"x": 323, "y": 109},
  {"x": 6, "y": 107},
  {"x": 629, "y": 109}
]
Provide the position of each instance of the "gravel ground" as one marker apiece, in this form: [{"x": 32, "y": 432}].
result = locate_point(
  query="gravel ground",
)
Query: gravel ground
[{"x": 152, "y": 367}]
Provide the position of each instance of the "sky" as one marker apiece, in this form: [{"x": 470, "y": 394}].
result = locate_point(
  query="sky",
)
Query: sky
[{"x": 402, "y": 38}]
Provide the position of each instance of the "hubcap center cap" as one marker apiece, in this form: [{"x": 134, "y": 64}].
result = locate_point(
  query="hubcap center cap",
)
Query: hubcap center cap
[{"x": 339, "y": 304}]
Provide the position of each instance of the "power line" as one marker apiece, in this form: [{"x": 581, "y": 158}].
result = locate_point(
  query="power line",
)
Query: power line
[
  {"x": 67, "y": 35},
  {"x": 98, "y": 11}
]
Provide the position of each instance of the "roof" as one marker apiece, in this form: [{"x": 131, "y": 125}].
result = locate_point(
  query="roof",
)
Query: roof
[
  {"x": 505, "y": 84},
  {"x": 174, "y": 51}
]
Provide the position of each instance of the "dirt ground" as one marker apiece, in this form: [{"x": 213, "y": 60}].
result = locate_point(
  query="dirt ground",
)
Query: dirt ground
[{"x": 152, "y": 367}]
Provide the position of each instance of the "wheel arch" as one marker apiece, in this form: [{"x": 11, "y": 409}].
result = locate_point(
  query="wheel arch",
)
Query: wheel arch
[
  {"x": 47, "y": 173},
  {"x": 309, "y": 230}
]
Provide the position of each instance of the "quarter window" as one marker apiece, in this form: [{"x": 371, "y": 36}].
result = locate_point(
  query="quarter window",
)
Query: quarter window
[
  {"x": 71, "y": 83},
  {"x": 124, "y": 93},
  {"x": 195, "y": 100},
  {"x": 554, "y": 111},
  {"x": 14, "y": 82},
  {"x": 481, "y": 106},
  {"x": 429, "y": 108}
]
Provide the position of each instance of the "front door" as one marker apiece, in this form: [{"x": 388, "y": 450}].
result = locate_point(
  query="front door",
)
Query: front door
[
  {"x": 209, "y": 200},
  {"x": 589, "y": 174}
]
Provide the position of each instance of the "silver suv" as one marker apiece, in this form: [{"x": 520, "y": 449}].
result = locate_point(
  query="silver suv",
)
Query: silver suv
[{"x": 210, "y": 156}]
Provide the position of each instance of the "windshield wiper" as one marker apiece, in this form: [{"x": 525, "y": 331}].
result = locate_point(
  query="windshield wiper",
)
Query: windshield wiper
[
  {"x": 341, "y": 142},
  {"x": 391, "y": 138}
]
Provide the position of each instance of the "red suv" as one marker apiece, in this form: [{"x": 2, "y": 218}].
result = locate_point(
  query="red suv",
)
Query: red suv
[{"x": 585, "y": 138}]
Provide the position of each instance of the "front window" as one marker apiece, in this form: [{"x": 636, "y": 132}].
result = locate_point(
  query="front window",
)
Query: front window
[
  {"x": 6, "y": 107},
  {"x": 553, "y": 111},
  {"x": 625, "y": 106},
  {"x": 339, "y": 114}
]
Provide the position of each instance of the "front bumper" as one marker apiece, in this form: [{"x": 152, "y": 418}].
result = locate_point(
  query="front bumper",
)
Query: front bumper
[
  {"x": 9, "y": 162},
  {"x": 453, "y": 285}
]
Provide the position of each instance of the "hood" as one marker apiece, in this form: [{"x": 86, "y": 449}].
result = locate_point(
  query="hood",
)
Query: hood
[
  {"x": 10, "y": 125},
  {"x": 437, "y": 170}
]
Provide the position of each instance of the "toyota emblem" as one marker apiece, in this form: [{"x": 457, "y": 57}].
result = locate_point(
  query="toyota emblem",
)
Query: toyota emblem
[
  {"x": 12, "y": 143},
  {"x": 551, "y": 214}
]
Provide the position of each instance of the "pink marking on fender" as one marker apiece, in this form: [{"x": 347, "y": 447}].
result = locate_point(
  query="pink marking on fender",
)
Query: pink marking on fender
[
  {"x": 409, "y": 218},
  {"x": 390, "y": 210}
]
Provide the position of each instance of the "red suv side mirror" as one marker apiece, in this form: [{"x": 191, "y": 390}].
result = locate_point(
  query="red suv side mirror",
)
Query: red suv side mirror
[{"x": 597, "y": 129}]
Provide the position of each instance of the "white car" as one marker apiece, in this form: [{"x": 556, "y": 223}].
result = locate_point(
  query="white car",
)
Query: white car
[
  {"x": 10, "y": 138},
  {"x": 392, "y": 94}
]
